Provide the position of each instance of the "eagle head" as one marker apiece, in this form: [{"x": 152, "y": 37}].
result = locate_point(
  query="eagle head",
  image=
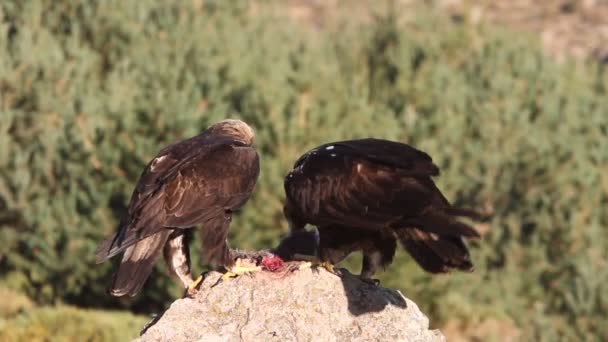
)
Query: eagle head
[{"x": 234, "y": 128}]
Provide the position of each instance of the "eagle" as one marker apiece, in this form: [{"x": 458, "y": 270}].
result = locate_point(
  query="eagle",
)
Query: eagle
[
  {"x": 369, "y": 195},
  {"x": 201, "y": 180}
]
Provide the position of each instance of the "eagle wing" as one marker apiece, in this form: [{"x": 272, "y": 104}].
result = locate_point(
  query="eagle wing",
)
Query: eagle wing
[
  {"x": 208, "y": 191},
  {"x": 187, "y": 183},
  {"x": 408, "y": 159},
  {"x": 370, "y": 183}
]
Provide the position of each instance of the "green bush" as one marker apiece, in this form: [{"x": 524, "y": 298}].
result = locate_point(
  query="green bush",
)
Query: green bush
[
  {"x": 66, "y": 323},
  {"x": 91, "y": 90}
]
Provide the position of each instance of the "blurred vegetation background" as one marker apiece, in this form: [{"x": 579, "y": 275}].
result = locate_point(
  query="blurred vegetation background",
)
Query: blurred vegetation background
[{"x": 91, "y": 90}]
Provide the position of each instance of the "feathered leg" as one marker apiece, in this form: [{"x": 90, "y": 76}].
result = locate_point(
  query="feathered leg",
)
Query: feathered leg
[
  {"x": 214, "y": 235},
  {"x": 177, "y": 257},
  {"x": 379, "y": 254},
  {"x": 371, "y": 263}
]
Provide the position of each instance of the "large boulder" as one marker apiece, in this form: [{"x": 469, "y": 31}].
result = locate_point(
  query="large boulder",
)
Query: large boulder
[{"x": 301, "y": 305}]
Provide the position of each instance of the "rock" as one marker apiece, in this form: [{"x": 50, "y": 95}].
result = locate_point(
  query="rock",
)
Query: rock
[{"x": 303, "y": 305}]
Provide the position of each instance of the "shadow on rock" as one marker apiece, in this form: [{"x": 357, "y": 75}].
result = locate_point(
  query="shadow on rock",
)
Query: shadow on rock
[
  {"x": 152, "y": 322},
  {"x": 364, "y": 297}
]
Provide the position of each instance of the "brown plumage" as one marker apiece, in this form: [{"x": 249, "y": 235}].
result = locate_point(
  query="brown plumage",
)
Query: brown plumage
[
  {"x": 365, "y": 195},
  {"x": 200, "y": 180}
]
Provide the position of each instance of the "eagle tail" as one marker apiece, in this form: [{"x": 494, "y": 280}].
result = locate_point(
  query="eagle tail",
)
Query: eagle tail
[
  {"x": 131, "y": 231},
  {"x": 465, "y": 212},
  {"x": 122, "y": 240},
  {"x": 116, "y": 244},
  {"x": 107, "y": 249},
  {"x": 443, "y": 222},
  {"x": 434, "y": 253},
  {"x": 137, "y": 263}
]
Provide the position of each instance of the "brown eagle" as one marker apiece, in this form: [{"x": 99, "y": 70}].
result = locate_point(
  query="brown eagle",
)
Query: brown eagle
[
  {"x": 365, "y": 195},
  {"x": 200, "y": 180}
]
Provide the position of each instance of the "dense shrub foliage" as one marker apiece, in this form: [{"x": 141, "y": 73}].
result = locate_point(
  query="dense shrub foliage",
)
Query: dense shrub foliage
[
  {"x": 66, "y": 323},
  {"x": 91, "y": 90}
]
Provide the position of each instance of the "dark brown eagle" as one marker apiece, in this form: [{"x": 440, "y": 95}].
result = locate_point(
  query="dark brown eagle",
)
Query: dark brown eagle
[
  {"x": 200, "y": 180},
  {"x": 365, "y": 195}
]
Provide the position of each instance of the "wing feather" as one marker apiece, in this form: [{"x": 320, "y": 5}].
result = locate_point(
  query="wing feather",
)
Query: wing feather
[
  {"x": 137, "y": 264},
  {"x": 377, "y": 185},
  {"x": 435, "y": 254},
  {"x": 216, "y": 178},
  {"x": 200, "y": 180},
  {"x": 372, "y": 183},
  {"x": 223, "y": 181}
]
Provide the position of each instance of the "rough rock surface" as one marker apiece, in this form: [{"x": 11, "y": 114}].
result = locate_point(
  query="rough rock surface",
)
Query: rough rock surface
[{"x": 303, "y": 305}]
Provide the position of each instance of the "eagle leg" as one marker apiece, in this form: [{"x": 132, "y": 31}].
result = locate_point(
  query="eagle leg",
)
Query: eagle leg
[
  {"x": 177, "y": 257},
  {"x": 239, "y": 269},
  {"x": 329, "y": 267},
  {"x": 371, "y": 262}
]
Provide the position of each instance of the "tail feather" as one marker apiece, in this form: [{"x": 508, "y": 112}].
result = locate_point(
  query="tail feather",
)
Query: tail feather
[
  {"x": 442, "y": 223},
  {"x": 434, "y": 253},
  {"x": 133, "y": 229},
  {"x": 465, "y": 212},
  {"x": 122, "y": 240},
  {"x": 137, "y": 263},
  {"x": 107, "y": 249}
]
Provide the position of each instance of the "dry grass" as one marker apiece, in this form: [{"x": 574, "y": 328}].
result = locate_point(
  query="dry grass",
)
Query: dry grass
[{"x": 577, "y": 28}]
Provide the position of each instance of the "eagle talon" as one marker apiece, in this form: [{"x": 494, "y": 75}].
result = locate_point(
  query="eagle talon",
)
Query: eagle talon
[
  {"x": 238, "y": 270},
  {"x": 329, "y": 267},
  {"x": 193, "y": 287},
  {"x": 305, "y": 265},
  {"x": 228, "y": 275},
  {"x": 313, "y": 261}
]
